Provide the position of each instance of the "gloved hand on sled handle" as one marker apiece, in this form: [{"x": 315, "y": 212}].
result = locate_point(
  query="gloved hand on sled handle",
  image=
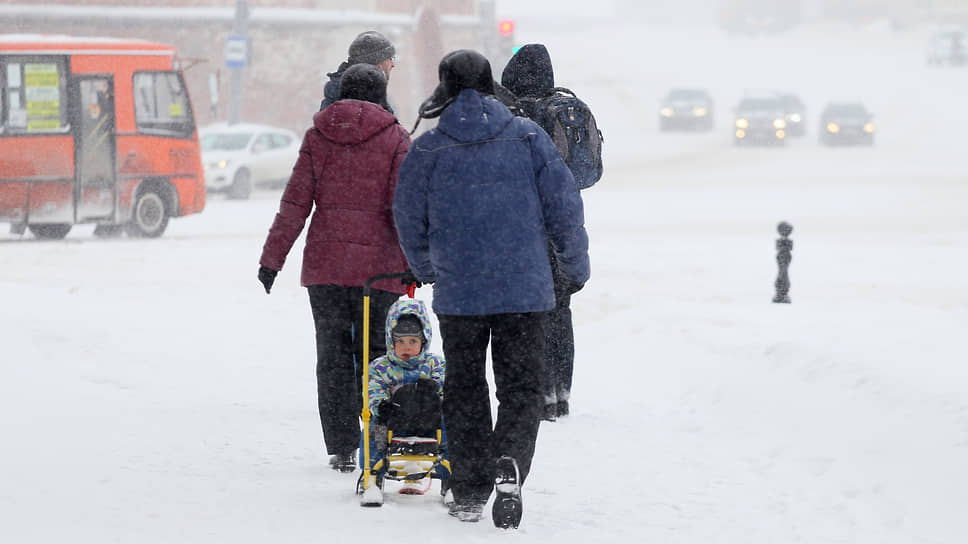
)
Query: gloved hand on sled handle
[
  {"x": 267, "y": 276},
  {"x": 409, "y": 279},
  {"x": 382, "y": 414}
]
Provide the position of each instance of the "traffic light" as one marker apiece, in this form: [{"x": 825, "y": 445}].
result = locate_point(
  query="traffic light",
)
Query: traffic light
[{"x": 505, "y": 31}]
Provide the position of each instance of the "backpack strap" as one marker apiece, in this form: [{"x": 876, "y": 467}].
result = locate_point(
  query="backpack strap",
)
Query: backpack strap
[{"x": 563, "y": 90}]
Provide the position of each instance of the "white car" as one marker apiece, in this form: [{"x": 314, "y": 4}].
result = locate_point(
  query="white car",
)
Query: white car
[
  {"x": 948, "y": 46},
  {"x": 245, "y": 155}
]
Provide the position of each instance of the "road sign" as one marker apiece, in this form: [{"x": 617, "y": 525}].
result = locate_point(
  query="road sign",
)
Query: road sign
[{"x": 236, "y": 52}]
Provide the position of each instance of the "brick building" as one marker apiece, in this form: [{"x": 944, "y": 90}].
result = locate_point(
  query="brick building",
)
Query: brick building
[{"x": 293, "y": 43}]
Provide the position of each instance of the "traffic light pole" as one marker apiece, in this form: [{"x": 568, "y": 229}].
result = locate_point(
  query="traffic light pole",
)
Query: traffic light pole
[{"x": 487, "y": 15}]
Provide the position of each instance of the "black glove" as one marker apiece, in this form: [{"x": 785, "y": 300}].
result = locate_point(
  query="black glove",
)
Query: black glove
[
  {"x": 426, "y": 385},
  {"x": 408, "y": 278},
  {"x": 267, "y": 276},
  {"x": 571, "y": 287},
  {"x": 382, "y": 414}
]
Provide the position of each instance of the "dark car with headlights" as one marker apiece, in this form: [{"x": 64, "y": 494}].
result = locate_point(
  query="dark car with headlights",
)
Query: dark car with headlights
[
  {"x": 686, "y": 109},
  {"x": 794, "y": 113},
  {"x": 846, "y": 123},
  {"x": 759, "y": 120}
]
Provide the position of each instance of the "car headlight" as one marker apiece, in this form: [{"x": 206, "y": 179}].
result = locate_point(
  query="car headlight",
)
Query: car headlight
[
  {"x": 742, "y": 123},
  {"x": 666, "y": 112},
  {"x": 779, "y": 123},
  {"x": 218, "y": 165},
  {"x": 795, "y": 118},
  {"x": 869, "y": 128},
  {"x": 833, "y": 128},
  {"x": 699, "y": 111}
]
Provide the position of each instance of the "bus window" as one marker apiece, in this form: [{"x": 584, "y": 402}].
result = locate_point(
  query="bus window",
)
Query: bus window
[
  {"x": 33, "y": 98},
  {"x": 161, "y": 104}
]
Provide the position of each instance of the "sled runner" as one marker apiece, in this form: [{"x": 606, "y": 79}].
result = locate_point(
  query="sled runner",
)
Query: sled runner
[{"x": 409, "y": 437}]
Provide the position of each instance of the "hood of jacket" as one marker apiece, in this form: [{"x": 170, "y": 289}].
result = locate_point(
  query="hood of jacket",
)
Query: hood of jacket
[
  {"x": 416, "y": 307},
  {"x": 473, "y": 117},
  {"x": 352, "y": 121},
  {"x": 529, "y": 72}
]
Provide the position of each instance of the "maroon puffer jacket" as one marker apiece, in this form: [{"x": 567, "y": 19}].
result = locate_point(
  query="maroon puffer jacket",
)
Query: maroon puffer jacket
[{"x": 348, "y": 167}]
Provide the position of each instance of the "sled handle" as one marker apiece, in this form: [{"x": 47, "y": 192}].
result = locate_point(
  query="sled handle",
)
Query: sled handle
[{"x": 365, "y": 412}]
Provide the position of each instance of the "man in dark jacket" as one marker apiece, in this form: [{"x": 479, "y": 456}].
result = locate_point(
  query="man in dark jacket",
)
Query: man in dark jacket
[
  {"x": 369, "y": 47},
  {"x": 347, "y": 170},
  {"x": 478, "y": 200},
  {"x": 529, "y": 75}
]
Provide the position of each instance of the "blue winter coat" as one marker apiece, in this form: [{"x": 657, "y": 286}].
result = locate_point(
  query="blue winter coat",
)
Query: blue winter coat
[{"x": 479, "y": 198}]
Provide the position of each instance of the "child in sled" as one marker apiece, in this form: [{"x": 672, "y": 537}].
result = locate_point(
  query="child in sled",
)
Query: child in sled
[{"x": 405, "y": 390}]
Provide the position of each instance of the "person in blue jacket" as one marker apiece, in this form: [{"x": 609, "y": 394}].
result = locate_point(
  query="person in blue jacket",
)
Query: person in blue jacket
[{"x": 480, "y": 197}]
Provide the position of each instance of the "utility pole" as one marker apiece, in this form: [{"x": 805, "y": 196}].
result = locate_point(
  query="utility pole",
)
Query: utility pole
[{"x": 236, "y": 58}]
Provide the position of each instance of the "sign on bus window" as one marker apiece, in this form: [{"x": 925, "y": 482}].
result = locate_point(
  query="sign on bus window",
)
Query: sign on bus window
[
  {"x": 161, "y": 104},
  {"x": 35, "y": 92}
]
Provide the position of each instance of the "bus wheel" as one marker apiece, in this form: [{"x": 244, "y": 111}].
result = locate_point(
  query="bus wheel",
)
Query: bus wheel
[
  {"x": 50, "y": 232},
  {"x": 241, "y": 186},
  {"x": 149, "y": 217},
  {"x": 108, "y": 231}
]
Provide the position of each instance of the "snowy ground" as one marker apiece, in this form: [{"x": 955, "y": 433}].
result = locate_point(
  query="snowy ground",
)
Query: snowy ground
[{"x": 153, "y": 393}]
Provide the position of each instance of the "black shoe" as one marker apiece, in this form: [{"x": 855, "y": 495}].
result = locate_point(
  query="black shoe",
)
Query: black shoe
[
  {"x": 550, "y": 412},
  {"x": 343, "y": 462},
  {"x": 562, "y": 408},
  {"x": 507, "y": 509},
  {"x": 467, "y": 511}
]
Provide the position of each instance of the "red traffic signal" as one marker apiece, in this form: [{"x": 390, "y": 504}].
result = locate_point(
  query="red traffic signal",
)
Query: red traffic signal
[{"x": 506, "y": 27}]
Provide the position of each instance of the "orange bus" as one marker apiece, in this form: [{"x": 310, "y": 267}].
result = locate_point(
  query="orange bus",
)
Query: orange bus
[{"x": 95, "y": 130}]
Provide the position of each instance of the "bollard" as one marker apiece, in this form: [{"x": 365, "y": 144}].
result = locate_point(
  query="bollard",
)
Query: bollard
[{"x": 784, "y": 246}]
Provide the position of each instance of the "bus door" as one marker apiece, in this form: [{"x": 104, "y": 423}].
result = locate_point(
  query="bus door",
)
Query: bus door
[{"x": 96, "y": 187}]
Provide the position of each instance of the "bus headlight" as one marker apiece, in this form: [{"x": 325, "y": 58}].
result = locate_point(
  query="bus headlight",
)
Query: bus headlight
[{"x": 742, "y": 123}]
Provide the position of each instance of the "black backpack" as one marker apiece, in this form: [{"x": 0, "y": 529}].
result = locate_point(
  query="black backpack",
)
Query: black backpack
[{"x": 573, "y": 129}]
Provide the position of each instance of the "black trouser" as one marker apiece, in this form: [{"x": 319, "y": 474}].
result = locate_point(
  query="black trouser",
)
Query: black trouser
[
  {"x": 559, "y": 351},
  {"x": 338, "y": 315},
  {"x": 517, "y": 351}
]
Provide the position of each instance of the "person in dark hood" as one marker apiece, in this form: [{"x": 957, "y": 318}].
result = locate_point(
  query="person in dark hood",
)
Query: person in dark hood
[
  {"x": 347, "y": 170},
  {"x": 479, "y": 198},
  {"x": 370, "y": 47},
  {"x": 530, "y": 76}
]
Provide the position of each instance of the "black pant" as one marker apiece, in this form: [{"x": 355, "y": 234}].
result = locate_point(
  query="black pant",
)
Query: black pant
[
  {"x": 338, "y": 315},
  {"x": 559, "y": 351},
  {"x": 517, "y": 351}
]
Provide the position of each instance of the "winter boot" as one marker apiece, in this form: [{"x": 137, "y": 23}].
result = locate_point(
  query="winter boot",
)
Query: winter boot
[
  {"x": 562, "y": 408},
  {"x": 550, "y": 412},
  {"x": 506, "y": 511},
  {"x": 467, "y": 511},
  {"x": 343, "y": 462},
  {"x": 373, "y": 494}
]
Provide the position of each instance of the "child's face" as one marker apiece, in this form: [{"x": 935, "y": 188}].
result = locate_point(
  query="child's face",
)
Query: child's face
[{"x": 407, "y": 347}]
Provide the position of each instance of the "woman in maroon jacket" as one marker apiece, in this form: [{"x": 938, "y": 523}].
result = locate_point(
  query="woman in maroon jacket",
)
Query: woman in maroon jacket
[{"x": 347, "y": 168}]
